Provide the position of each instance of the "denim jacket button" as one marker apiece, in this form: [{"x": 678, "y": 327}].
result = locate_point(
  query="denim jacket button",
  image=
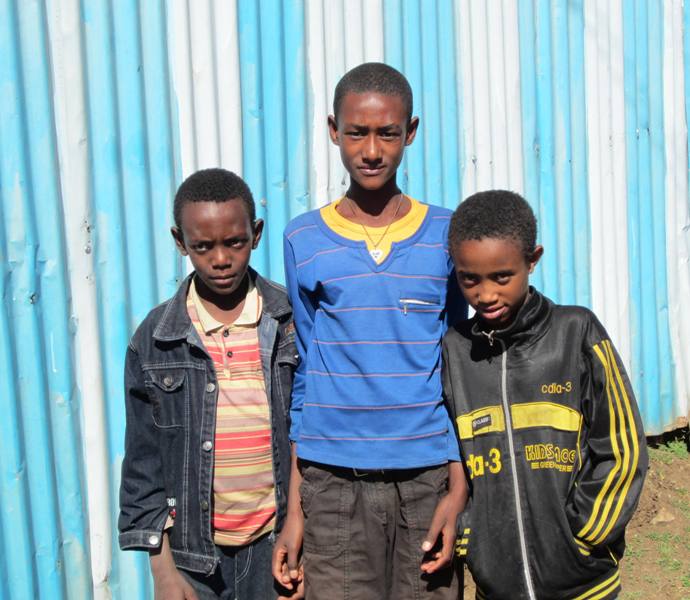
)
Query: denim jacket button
[
  {"x": 207, "y": 445},
  {"x": 167, "y": 381},
  {"x": 153, "y": 540},
  {"x": 204, "y": 505},
  {"x": 210, "y": 387}
]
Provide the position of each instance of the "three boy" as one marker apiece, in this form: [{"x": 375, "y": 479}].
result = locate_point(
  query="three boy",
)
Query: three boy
[
  {"x": 548, "y": 423},
  {"x": 376, "y": 485}
]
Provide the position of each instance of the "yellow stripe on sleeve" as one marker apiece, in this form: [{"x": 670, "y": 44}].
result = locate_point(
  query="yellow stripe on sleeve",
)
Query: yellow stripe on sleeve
[
  {"x": 633, "y": 439},
  {"x": 583, "y": 533},
  {"x": 583, "y": 547},
  {"x": 596, "y": 536}
]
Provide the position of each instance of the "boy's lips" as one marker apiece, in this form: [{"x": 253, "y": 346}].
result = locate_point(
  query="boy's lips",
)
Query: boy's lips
[
  {"x": 492, "y": 314},
  {"x": 371, "y": 171},
  {"x": 223, "y": 279}
]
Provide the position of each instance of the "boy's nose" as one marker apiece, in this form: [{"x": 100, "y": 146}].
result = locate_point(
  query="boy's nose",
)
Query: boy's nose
[
  {"x": 221, "y": 259},
  {"x": 486, "y": 295},
  {"x": 372, "y": 150}
]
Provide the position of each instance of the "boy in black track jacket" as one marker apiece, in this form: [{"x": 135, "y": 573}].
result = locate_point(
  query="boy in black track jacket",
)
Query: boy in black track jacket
[{"x": 546, "y": 417}]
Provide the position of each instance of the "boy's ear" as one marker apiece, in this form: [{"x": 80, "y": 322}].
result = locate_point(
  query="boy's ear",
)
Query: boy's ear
[
  {"x": 333, "y": 130},
  {"x": 411, "y": 131},
  {"x": 258, "y": 230},
  {"x": 534, "y": 258},
  {"x": 179, "y": 240}
]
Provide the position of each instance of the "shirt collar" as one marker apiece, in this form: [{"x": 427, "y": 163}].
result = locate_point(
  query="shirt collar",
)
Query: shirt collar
[{"x": 251, "y": 311}]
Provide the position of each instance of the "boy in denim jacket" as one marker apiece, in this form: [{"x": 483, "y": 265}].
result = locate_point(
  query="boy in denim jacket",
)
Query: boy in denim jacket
[{"x": 208, "y": 378}]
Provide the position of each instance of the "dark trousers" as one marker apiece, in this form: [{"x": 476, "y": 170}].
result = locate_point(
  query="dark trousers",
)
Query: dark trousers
[
  {"x": 363, "y": 534},
  {"x": 244, "y": 573}
]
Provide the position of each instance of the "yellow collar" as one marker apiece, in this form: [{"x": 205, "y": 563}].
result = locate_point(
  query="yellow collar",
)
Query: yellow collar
[{"x": 351, "y": 230}]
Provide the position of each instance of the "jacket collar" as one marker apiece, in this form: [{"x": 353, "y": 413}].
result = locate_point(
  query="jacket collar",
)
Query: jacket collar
[
  {"x": 175, "y": 323},
  {"x": 529, "y": 325}
]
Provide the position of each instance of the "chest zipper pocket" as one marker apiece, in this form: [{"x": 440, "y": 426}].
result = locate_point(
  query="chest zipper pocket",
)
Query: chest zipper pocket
[{"x": 416, "y": 302}]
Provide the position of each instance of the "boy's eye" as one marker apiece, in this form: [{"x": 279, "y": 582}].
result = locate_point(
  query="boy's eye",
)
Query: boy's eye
[
  {"x": 389, "y": 135},
  {"x": 202, "y": 247},
  {"x": 355, "y": 134},
  {"x": 467, "y": 280},
  {"x": 502, "y": 278},
  {"x": 236, "y": 243}
]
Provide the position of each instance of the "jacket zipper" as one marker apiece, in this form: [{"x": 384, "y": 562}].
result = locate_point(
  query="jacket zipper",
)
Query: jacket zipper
[
  {"x": 414, "y": 301},
  {"x": 513, "y": 464}
]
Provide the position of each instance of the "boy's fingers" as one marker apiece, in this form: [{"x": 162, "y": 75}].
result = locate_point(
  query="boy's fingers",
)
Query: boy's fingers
[
  {"x": 280, "y": 572},
  {"x": 293, "y": 563},
  {"x": 277, "y": 563},
  {"x": 189, "y": 593},
  {"x": 444, "y": 556},
  {"x": 434, "y": 530}
]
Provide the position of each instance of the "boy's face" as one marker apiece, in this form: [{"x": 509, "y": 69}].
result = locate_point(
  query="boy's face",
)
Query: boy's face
[
  {"x": 219, "y": 238},
  {"x": 372, "y": 132},
  {"x": 493, "y": 275}
]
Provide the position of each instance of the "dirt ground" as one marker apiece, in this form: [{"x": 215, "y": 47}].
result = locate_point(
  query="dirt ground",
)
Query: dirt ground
[{"x": 656, "y": 565}]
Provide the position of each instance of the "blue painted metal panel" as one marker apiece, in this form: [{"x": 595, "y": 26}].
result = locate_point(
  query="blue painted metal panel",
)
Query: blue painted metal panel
[
  {"x": 296, "y": 114},
  {"x": 162, "y": 144},
  {"x": 554, "y": 142},
  {"x": 252, "y": 116},
  {"x": 274, "y": 111},
  {"x": 531, "y": 149},
  {"x": 580, "y": 222},
  {"x": 134, "y": 164},
  {"x": 273, "y": 131},
  {"x": 651, "y": 371},
  {"x": 45, "y": 535},
  {"x": 18, "y": 545},
  {"x": 450, "y": 108},
  {"x": 110, "y": 247},
  {"x": 420, "y": 41},
  {"x": 50, "y": 299}
]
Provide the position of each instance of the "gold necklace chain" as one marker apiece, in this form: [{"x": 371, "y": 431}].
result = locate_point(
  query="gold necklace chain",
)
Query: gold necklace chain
[{"x": 375, "y": 245}]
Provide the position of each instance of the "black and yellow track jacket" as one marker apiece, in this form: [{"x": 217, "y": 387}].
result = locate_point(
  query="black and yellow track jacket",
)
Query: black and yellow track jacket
[{"x": 554, "y": 446}]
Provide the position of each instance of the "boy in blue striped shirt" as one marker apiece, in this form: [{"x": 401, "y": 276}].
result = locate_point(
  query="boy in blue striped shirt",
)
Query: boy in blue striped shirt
[{"x": 376, "y": 483}]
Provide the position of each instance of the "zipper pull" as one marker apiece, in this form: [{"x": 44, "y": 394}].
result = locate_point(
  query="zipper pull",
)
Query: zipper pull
[
  {"x": 404, "y": 308},
  {"x": 489, "y": 336}
]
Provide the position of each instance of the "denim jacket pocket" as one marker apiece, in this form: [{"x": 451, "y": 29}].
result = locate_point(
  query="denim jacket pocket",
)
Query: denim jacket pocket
[{"x": 169, "y": 394}]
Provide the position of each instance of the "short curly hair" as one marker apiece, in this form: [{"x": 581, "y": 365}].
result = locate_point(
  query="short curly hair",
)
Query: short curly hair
[
  {"x": 497, "y": 214},
  {"x": 213, "y": 185},
  {"x": 373, "y": 77}
]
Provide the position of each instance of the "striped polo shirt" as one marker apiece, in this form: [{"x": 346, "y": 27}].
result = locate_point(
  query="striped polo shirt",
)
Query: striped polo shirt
[{"x": 243, "y": 487}]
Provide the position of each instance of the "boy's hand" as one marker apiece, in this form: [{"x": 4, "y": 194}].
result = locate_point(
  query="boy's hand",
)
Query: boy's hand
[
  {"x": 298, "y": 592},
  {"x": 168, "y": 582},
  {"x": 440, "y": 539},
  {"x": 173, "y": 586},
  {"x": 287, "y": 569}
]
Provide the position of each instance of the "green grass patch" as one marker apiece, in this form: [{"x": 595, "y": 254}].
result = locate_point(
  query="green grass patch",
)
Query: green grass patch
[{"x": 682, "y": 504}]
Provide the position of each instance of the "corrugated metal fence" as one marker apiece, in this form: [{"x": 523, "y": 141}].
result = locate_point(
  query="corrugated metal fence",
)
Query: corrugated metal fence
[{"x": 104, "y": 106}]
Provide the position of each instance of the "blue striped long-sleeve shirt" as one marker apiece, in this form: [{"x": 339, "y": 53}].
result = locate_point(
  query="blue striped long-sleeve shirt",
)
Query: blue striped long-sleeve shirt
[{"x": 367, "y": 392}]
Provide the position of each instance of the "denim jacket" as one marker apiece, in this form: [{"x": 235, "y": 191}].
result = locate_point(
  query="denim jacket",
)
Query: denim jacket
[{"x": 170, "y": 397}]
